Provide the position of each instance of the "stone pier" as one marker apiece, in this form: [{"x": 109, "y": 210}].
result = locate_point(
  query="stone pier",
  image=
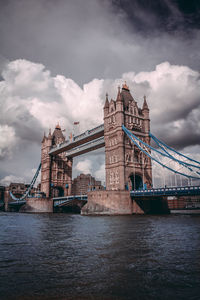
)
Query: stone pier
[
  {"x": 108, "y": 203},
  {"x": 37, "y": 205}
]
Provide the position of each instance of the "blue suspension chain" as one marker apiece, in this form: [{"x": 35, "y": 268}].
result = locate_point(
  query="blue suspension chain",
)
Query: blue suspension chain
[
  {"x": 172, "y": 170},
  {"x": 29, "y": 188},
  {"x": 166, "y": 155},
  {"x": 155, "y": 138},
  {"x": 183, "y": 163}
]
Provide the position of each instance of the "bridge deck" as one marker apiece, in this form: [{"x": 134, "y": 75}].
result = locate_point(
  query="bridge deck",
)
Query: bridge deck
[
  {"x": 170, "y": 191},
  {"x": 58, "y": 201}
]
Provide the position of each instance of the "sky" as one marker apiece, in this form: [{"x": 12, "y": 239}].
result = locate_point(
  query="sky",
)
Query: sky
[{"x": 59, "y": 58}]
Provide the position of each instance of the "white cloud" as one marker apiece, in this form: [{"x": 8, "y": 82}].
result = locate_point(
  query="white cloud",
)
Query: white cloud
[
  {"x": 173, "y": 96},
  {"x": 7, "y": 141},
  {"x": 84, "y": 166},
  {"x": 100, "y": 173},
  {"x": 11, "y": 178}
]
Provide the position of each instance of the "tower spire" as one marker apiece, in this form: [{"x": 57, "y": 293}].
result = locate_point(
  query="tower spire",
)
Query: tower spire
[
  {"x": 106, "y": 102},
  {"x": 119, "y": 98},
  {"x": 145, "y": 105},
  {"x": 125, "y": 86}
]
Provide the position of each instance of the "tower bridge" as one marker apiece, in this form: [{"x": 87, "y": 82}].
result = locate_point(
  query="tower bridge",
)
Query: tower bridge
[{"x": 126, "y": 136}]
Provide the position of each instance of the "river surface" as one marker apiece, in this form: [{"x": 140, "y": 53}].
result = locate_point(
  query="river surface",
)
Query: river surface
[{"x": 61, "y": 256}]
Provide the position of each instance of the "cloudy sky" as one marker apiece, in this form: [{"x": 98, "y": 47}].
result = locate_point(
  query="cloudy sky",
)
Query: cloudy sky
[{"x": 59, "y": 58}]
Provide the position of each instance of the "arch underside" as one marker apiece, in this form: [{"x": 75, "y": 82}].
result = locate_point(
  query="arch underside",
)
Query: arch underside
[
  {"x": 136, "y": 181},
  {"x": 58, "y": 191}
]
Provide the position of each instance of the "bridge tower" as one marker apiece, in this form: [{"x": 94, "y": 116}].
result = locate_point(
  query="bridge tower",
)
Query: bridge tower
[
  {"x": 126, "y": 166},
  {"x": 56, "y": 171}
]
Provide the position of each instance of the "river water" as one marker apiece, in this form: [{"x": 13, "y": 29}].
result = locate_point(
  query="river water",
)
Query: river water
[{"x": 61, "y": 256}]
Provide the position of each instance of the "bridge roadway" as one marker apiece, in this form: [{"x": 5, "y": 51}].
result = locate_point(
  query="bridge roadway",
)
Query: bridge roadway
[
  {"x": 59, "y": 201},
  {"x": 170, "y": 191},
  {"x": 87, "y": 141}
]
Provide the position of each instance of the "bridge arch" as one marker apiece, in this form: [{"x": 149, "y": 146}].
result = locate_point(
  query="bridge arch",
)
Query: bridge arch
[
  {"x": 136, "y": 182},
  {"x": 58, "y": 191}
]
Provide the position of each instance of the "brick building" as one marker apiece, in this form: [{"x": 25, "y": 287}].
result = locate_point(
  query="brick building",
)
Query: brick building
[{"x": 84, "y": 183}]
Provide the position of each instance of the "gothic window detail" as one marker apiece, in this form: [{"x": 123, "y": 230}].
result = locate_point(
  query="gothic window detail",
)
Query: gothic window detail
[
  {"x": 111, "y": 179},
  {"x": 117, "y": 177},
  {"x": 59, "y": 175}
]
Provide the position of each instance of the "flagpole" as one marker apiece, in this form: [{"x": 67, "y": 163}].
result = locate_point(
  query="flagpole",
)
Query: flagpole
[{"x": 77, "y": 131}]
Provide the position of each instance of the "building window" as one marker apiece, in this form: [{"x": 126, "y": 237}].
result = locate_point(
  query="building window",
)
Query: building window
[{"x": 59, "y": 175}]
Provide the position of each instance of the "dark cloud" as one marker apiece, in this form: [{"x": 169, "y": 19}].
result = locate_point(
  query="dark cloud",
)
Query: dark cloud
[
  {"x": 99, "y": 39},
  {"x": 154, "y": 17}
]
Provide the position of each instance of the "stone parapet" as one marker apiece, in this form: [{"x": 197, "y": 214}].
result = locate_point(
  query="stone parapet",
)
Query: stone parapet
[{"x": 108, "y": 203}]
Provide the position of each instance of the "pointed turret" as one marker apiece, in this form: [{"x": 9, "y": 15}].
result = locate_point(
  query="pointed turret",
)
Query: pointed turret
[
  {"x": 106, "y": 102},
  {"x": 145, "y": 105},
  {"x": 57, "y": 135},
  {"x": 145, "y": 112},
  {"x": 106, "y": 106},
  {"x": 119, "y": 98},
  {"x": 44, "y": 137},
  {"x": 49, "y": 135},
  {"x": 58, "y": 126},
  {"x": 125, "y": 87}
]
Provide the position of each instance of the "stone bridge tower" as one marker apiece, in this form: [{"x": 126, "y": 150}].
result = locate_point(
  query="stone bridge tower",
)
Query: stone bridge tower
[
  {"x": 56, "y": 171},
  {"x": 126, "y": 166}
]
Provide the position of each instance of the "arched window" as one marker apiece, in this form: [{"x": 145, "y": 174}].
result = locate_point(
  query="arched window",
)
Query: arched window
[{"x": 59, "y": 175}]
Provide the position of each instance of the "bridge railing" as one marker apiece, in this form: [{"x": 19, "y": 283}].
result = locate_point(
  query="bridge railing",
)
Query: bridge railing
[{"x": 67, "y": 199}]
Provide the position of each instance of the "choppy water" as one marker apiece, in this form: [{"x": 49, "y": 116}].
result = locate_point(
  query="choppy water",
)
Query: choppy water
[{"x": 60, "y": 256}]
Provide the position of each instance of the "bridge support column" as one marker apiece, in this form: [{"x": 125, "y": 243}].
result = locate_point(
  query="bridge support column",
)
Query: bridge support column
[
  {"x": 108, "y": 203},
  {"x": 7, "y": 199}
]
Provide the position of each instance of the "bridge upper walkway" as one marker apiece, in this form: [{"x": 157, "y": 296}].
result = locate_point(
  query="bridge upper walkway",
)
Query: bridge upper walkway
[{"x": 86, "y": 138}]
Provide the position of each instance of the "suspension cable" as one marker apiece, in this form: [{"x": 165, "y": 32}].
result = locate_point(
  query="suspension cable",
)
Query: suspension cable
[
  {"x": 131, "y": 135},
  {"x": 29, "y": 187}
]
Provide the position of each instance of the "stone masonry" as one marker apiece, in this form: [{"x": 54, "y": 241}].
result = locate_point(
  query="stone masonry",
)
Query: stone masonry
[
  {"x": 56, "y": 171},
  {"x": 126, "y": 166}
]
